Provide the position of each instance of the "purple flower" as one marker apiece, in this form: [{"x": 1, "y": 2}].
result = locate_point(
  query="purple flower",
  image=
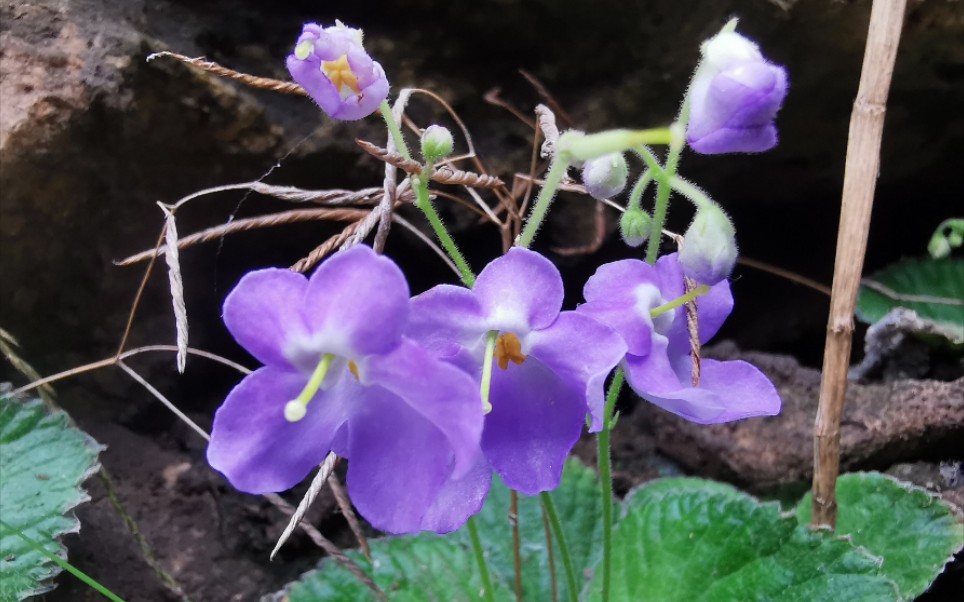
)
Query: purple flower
[
  {"x": 331, "y": 64},
  {"x": 550, "y": 365},
  {"x": 734, "y": 98},
  {"x": 658, "y": 364},
  {"x": 407, "y": 422}
]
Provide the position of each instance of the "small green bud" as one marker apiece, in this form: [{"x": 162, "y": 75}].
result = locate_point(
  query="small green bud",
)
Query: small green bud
[
  {"x": 948, "y": 236},
  {"x": 709, "y": 246},
  {"x": 939, "y": 247},
  {"x": 606, "y": 176},
  {"x": 437, "y": 143},
  {"x": 635, "y": 226}
]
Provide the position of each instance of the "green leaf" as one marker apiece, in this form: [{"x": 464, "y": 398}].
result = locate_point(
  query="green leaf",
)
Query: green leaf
[
  {"x": 433, "y": 567},
  {"x": 912, "y": 530},
  {"x": 43, "y": 461},
  {"x": 695, "y": 540},
  {"x": 933, "y": 288}
]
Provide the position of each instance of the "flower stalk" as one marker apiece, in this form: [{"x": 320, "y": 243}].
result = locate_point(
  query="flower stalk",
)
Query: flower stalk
[{"x": 604, "y": 462}]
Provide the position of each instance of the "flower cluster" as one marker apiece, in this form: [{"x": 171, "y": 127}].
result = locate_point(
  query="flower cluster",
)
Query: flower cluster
[{"x": 426, "y": 397}]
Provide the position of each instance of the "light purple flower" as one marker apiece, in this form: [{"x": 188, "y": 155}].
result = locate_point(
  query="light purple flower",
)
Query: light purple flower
[
  {"x": 658, "y": 364},
  {"x": 407, "y": 422},
  {"x": 332, "y": 65},
  {"x": 734, "y": 98},
  {"x": 551, "y": 364}
]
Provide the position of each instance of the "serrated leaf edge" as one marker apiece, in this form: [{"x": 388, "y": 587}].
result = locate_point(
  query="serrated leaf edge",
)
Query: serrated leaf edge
[{"x": 46, "y": 584}]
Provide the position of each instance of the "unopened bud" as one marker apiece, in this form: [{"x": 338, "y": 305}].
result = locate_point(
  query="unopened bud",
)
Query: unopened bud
[
  {"x": 437, "y": 143},
  {"x": 709, "y": 247},
  {"x": 635, "y": 226},
  {"x": 606, "y": 176}
]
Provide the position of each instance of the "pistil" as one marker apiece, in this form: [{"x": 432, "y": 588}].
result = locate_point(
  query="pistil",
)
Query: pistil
[
  {"x": 679, "y": 301},
  {"x": 296, "y": 409},
  {"x": 490, "y": 339}
]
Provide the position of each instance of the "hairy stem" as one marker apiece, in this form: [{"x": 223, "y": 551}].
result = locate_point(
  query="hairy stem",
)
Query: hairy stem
[
  {"x": 541, "y": 208},
  {"x": 487, "y": 591},
  {"x": 567, "y": 564},
  {"x": 604, "y": 461}
]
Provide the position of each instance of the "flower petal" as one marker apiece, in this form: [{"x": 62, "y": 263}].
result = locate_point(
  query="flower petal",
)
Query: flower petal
[
  {"x": 459, "y": 499},
  {"x": 253, "y": 444},
  {"x": 263, "y": 312},
  {"x": 519, "y": 292},
  {"x": 398, "y": 461},
  {"x": 621, "y": 294},
  {"x": 440, "y": 393},
  {"x": 357, "y": 303},
  {"x": 536, "y": 418},
  {"x": 582, "y": 352},
  {"x": 727, "y": 391},
  {"x": 308, "y": 74},
  {"x": 445, "y": 318}
]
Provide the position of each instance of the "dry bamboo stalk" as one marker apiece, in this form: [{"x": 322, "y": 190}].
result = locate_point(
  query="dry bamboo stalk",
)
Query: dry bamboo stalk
[{"x": 860, "y": 179}]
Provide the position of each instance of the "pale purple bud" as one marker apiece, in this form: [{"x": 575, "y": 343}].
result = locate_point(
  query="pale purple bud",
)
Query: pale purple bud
[
  {"x": 734, "y": 98},
  {"x": 605, "y": 176},
  {"x": 709, "y": 247}
]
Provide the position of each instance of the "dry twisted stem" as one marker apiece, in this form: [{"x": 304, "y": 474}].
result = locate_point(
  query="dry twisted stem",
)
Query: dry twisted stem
[
  {"x": 693, "y": 327},
  {"x": 264, "y": 83},
  {"x": 442, "y": 175},
  {"x": 263, "y": 221},
  {"x": 321, "y": 251},
  {"x": 324, "y": 471},
  {"x": 176, "y": 283},
  {"x": 325, "y": 544}
]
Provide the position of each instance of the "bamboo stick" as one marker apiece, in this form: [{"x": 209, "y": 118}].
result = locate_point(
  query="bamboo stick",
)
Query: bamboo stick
[{"x": 860, "y": 178}]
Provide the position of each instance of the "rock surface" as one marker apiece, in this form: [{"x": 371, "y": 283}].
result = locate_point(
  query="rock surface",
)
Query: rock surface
[{"x": 883, "y": 424}]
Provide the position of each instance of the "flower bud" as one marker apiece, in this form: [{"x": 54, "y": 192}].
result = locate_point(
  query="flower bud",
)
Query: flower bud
[
  {"x": 709, "y": 247},
  {"x": 635, "y": 226},
  {"x": 734, "y": 98},
  {"x": 606, "y": 176},
  {"x": 437, "y": 143}
]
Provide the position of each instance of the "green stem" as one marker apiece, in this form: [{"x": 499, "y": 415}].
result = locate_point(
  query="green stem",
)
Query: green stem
[
  {"x": 692, "y": 192},
  {"x": 394, "y": 130},
  {"x": 662, "y": 181},
  {"x": 636, "y": 194},
  {"x": 557, "y": 170},
  {"x": 604, "y": 461},
  {"x": 556, "y": 524},
  {"x": 487, "y": 591},
  {"x": 89, "y": 581},
  {"x": 424, "y": 203}
]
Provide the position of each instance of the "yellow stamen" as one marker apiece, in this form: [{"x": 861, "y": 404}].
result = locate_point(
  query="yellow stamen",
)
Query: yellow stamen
[
  {"x": 340, "y": 74},
  {"x": 296, "y": 409},
  {"x": 509, "y": 348},
  {"x": 353, "y": 368}
]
